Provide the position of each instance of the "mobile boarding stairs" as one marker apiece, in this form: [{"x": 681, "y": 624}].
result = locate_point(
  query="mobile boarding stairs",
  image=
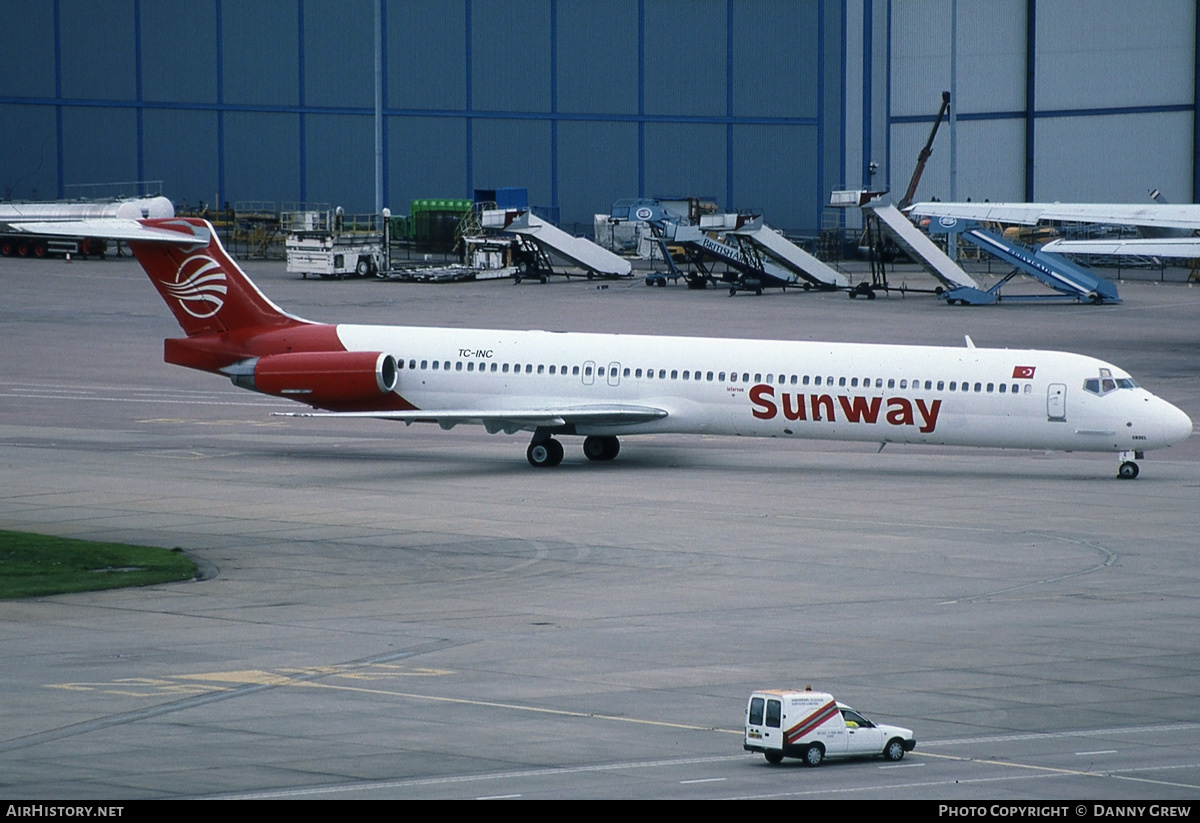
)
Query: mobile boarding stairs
[{"x": 1071, "y": 281}]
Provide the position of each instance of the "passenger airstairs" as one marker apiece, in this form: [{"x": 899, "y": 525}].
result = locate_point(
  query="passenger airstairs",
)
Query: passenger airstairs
[
  {"x": 697, "y": 242},
  {"x": 1071, "y": 281},
  {"x": 548, "y": 238},
  {"x": 920, "y": 248},
  {"x": 766, "y": 241},
  {"x": 760, "y": 255}
]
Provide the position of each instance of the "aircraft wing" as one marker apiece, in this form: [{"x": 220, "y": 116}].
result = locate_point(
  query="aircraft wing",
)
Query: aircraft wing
[
  {"x": 1168, "y": 216},
  {"x": 1186, "y": 247},
  {"x": 114, "y": 228},
  {"x": 510, "y": 421}
]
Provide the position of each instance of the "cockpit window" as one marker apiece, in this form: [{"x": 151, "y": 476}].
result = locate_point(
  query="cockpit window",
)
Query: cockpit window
[{"x": 1106, "y": 383}]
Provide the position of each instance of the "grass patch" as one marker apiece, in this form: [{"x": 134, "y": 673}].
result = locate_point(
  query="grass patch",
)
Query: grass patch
[{"x": 34, "y": 565}]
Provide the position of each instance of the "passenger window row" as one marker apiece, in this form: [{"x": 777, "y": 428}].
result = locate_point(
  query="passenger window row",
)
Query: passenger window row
[{"x": 825, "y": 381}]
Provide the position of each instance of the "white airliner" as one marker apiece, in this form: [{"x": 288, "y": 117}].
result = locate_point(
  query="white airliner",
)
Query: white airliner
[
  {"x": 1168, "y": 229},
  {"x": 602, "y": 386}
]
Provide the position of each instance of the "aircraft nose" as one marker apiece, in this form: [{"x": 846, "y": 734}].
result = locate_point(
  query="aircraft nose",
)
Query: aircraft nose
[{"x": 1176, "y": 426}]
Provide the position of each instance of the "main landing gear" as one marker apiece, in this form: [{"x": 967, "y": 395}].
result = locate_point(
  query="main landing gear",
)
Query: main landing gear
[
  {"x": 544, "y": 451},
  {"x": 1128, "y": 470}
]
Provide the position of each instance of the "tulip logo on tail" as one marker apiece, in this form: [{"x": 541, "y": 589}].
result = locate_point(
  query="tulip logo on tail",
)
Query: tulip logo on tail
[{"x": 199, "y": 286}]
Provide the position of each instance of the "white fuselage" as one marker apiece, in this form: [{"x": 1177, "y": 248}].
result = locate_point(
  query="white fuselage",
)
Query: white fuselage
[{"x": 1015, "y": 398}]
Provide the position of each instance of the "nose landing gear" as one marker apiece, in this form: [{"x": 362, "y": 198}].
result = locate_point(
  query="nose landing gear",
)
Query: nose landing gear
[{"x": 1128, "y": 470}]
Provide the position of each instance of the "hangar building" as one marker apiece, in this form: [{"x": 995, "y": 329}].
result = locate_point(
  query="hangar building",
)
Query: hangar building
[{"x": 759, "y": 104}]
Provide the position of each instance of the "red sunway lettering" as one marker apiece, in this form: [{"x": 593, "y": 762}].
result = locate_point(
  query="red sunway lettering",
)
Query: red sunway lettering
[
  {"x": 760, "y": 396},
  {"x": 821, "y": 401},
  {"x": 929, "y": 415},
  {"x": 860, "y": 409},
  {"x": 798, "y": 412},
  {"x": 898, "y": 411}
]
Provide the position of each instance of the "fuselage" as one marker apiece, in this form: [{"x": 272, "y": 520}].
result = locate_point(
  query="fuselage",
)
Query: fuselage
[{"x": 768, "y": 388}]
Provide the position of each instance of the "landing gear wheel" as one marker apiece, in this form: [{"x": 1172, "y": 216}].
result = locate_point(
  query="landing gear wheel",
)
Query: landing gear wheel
[
  {"x": 813, "y": 755},
  {"x": 894, "y": 750},
  {"x": 774, "y": 758},
  {"x": 545, "y": 454},
  {"x": 1127, "y": 470},
  {"x": 601, "y": 448}
]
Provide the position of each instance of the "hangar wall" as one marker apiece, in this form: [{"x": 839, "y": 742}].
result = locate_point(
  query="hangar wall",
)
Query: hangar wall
[
  {"x": 764, "y": 104},
  {"x": 582, "y": 103},
  {"x": 1057, "y": 100}
]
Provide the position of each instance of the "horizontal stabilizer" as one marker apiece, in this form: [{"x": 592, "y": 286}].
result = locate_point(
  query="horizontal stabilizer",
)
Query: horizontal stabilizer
[{"x": 113, "y": 229}]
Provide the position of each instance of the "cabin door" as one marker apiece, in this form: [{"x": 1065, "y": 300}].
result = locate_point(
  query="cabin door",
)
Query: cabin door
[
  {"x": 614, "y": 374},
  {"x": 1056, "y": 401}
]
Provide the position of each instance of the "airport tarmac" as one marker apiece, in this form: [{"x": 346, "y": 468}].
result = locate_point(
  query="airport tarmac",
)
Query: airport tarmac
[{"x": 402, "y": 612}]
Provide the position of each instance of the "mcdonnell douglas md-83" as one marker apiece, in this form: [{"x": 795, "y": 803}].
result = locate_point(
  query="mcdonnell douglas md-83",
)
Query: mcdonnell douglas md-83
[{"x": 602, "y": 386}]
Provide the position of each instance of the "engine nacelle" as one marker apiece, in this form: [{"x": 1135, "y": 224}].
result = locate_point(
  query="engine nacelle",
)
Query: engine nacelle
[{"x": 319, "y": 377}]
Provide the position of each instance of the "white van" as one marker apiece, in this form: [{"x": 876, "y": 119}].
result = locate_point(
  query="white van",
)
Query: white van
[{"x": 812, "y": 726}]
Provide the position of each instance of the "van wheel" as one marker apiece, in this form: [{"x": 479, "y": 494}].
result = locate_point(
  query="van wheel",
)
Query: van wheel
[
  {"x": 813, "y": 755},
  {"x": 774, "y": 758},
  {"x": 894, "y": 750}
]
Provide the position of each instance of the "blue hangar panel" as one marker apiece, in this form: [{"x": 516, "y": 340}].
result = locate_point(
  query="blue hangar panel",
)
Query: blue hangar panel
[
  {"x": 27, "y": 62},
  {"x": 262, "y": 156},
  {"x": 427, "y": 158},
  {"x": 97, "y": 50},
  {"x": 28, "y": 170},
  {"x": 510, "y": 56},
  {"x": 179, "y": 52},
  {"x": 180, "y": 148},
  {"x": 339, "y": 55},
  {"x": 775, "y": 60},
  {"x": 261, "y": 53},
  {"x": 513, "y": 153},
  {"x": 339, "y": 161},
  {"x": 598, "y": 57},
  {"x": 686, "y": 58},
  {"x": 99, "y": 144},
  {"x": 426, "y": 56},
  {"x": 774, "y": 170},
  {"x": 597, "y": 165},
  {"x": 686, "y": 159}
]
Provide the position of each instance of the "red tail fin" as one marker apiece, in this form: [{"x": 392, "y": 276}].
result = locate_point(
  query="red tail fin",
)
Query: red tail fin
[{"x": 206, "y": 291}]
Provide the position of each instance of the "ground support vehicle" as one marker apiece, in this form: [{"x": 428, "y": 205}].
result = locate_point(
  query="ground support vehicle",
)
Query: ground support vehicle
[{"x": 812, "y": 726}]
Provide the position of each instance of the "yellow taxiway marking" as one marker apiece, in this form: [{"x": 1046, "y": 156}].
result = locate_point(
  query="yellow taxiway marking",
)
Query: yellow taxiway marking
[
  {"x": 202, "y": 682},
  {"x": 462, "y": 701},
  {"x": 137, "y": 687}
]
